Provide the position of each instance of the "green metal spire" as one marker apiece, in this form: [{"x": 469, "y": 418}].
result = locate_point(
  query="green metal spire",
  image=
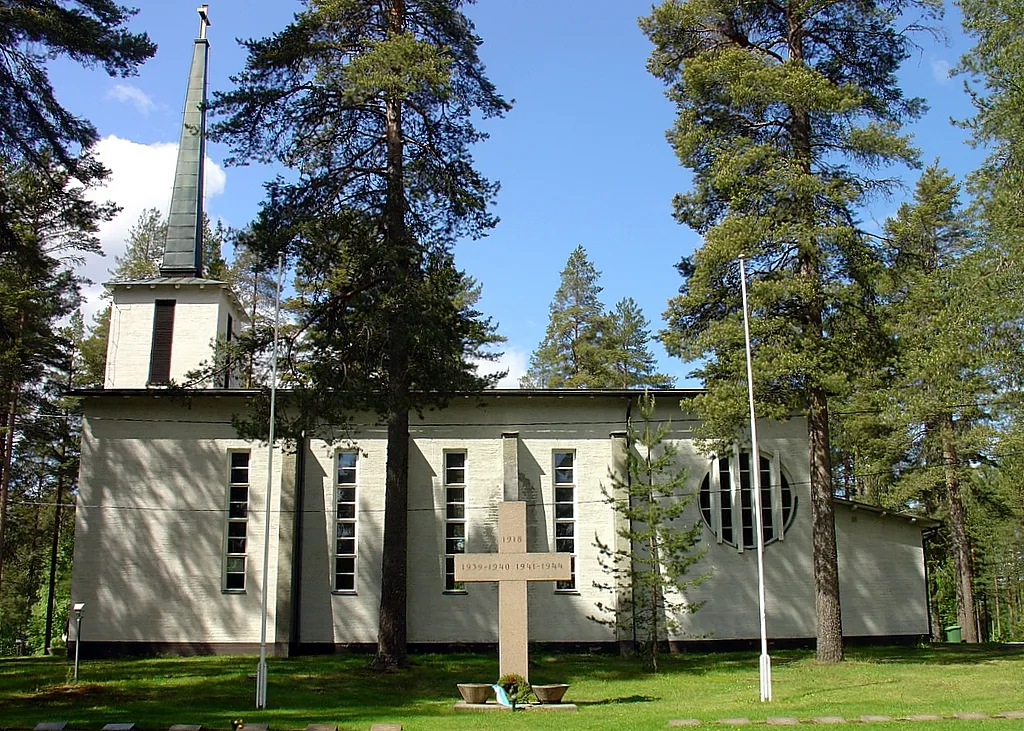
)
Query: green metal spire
[{"x": 183, "y": 253}]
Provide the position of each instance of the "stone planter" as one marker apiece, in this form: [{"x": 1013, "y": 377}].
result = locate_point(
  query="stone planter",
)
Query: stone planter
[
  {"x": 475, "y": 692},
  {"x": 551, "y": 693}
]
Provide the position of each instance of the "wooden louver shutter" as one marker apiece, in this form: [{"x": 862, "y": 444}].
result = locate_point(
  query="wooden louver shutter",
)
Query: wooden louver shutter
[
  {"x": 163, "y": 329},
  {"x": 227, "y": 362}
]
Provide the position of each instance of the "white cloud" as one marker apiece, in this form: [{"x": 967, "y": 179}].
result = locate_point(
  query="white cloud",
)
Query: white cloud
[
  {"x": 940, "y": 70},
  {"x": 512, "y": 360},
  {"x": 132, "y": 95},
  {"x": 141, "y": 177}
]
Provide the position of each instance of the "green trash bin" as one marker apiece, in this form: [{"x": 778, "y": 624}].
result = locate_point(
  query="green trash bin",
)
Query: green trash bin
[{"x": 953, "y": 633}]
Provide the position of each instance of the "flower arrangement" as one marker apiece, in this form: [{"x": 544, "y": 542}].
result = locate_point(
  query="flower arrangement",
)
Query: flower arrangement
[{"x": 517, "y": 688}]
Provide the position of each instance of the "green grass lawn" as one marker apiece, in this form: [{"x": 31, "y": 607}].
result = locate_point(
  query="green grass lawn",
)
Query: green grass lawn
[{"x": 611, "y": 693}]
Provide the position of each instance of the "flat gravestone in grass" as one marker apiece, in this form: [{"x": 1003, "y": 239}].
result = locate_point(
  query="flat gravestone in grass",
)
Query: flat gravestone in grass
[
  {"x": 385, "y": 727},
  {"x": 327, "y": 727},
  {"x": 119, "y": 727},
  {"x": 52, "y": 726}
]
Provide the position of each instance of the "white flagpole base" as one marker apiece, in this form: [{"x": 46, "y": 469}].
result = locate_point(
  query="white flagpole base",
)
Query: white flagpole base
[
  {"x": 261, "y": 683},
  {"x": 765, "y": 666}
]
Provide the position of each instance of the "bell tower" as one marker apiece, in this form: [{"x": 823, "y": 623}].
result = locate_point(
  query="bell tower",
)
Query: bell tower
[{"x": 163, "y": 328}]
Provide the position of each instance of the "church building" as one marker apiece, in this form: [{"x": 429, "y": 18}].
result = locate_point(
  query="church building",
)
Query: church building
[{"x": 170, "y": 524}]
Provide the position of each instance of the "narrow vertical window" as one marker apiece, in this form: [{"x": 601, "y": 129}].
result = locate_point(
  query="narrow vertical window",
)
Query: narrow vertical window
[
  {"x": 725, "y": 499},
  {"x": 238, "y": 522},
  {"x": 454, "y": 516},
  {"x": 160, "y": 352},
  {"x": 565, "y": 512},
  {"x": 345, "y": 513}
]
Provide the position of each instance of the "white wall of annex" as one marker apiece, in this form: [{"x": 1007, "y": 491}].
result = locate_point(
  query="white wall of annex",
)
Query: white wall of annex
[
  {"x": 151, "y": 522},
  {"x": 881, "y": 574}
]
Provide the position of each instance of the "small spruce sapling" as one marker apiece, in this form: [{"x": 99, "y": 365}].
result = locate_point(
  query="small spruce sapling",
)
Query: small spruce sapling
[{"x": 648, "y": 569}]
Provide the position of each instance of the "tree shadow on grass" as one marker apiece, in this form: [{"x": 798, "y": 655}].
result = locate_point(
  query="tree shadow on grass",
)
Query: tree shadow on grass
[
  {"x": 627, "y": 699},
  {"x": 939, "y": 654}
]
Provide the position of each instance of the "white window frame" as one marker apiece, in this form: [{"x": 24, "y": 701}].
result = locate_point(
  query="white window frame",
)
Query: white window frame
[
  {"x": 452, "y": 520},
  {"x": 779, "y": 522},
  {"x": 349, "y": 550},
  {"x": 570, "y": 586},
  {"x": 234, "y": 518}
]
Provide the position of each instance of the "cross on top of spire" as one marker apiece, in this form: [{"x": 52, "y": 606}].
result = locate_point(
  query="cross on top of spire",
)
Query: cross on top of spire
[{"x": 204, "y": 19}]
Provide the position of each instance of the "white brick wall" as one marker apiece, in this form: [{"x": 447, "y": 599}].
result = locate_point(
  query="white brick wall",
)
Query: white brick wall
[
  {"x": 200, "y": 318},
  {"x": 151, "y": 525}
]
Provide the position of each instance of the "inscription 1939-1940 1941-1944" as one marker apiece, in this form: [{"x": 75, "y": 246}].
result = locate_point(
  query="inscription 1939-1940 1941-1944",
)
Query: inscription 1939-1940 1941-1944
[{"x": 505, "y": 567}]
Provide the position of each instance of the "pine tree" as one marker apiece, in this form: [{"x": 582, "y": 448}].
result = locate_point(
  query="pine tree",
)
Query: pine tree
[
  {"x": 947, "y": 315},
  {"x": 650, "y": 572},
  {"x": 48, "y": 226},
  {"x": 573, "y": 353},
  {"x": 775, "y": 100},
  {"x": 372, "y": 102},
  {"x": 144, "y": 248},
  {"x": 35, "y": 130},
  {"x": 256, "y": 287},
  {"x": 628, "y": 344},
  {"x": 994, "y": 67}
]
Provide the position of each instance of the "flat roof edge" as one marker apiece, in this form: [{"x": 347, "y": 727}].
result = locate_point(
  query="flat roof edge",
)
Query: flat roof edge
[
  {"x": 853, "y": 505},
  {"x": 499, "y": 392}
]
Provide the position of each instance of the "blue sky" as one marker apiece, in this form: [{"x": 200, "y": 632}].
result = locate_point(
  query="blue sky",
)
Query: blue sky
[{"x": 581, "y": 158}]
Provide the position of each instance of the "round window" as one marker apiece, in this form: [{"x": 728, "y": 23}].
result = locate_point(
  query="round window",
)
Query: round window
[{"x": 732, "y": 510}]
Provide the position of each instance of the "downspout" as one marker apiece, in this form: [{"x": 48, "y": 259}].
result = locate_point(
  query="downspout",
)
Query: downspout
[{"x": 296, "y": 589}]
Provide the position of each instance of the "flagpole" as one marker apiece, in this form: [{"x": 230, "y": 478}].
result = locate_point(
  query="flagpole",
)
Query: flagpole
[
  {"x": 261, "y": 669},
  {"x": 765, "y": 662}
]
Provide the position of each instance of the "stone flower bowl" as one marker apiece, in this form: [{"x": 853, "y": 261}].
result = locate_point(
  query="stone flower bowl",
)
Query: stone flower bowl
[
  {"x": 551, "y": 693},
  {"x": 475, "y": 692}
]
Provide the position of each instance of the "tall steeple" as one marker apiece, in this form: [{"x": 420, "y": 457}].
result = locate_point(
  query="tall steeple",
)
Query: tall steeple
[{"x": 183, "y": 252}]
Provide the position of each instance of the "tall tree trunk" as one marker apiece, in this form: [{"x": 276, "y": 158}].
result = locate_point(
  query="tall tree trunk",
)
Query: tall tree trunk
[
  {"x": 823, "y": 527},
  {"x": 6, "y": 458},
  {"x": 823, "y": 535},
  {"x": 933, "y": 614},
  {"x": 995, "y": 594},
  {"x": 54, "y": 545},
  {"x": 62, "y": 474},
  {"x": 655, "y": 559},
  {"x": 7, "y": 443},
  {"x": 392, "y": 632},
  {"x": 959, "y": 541}
]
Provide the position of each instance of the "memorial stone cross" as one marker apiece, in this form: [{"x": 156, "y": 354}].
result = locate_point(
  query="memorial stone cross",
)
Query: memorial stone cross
[{"x": 512, "y": 567}]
